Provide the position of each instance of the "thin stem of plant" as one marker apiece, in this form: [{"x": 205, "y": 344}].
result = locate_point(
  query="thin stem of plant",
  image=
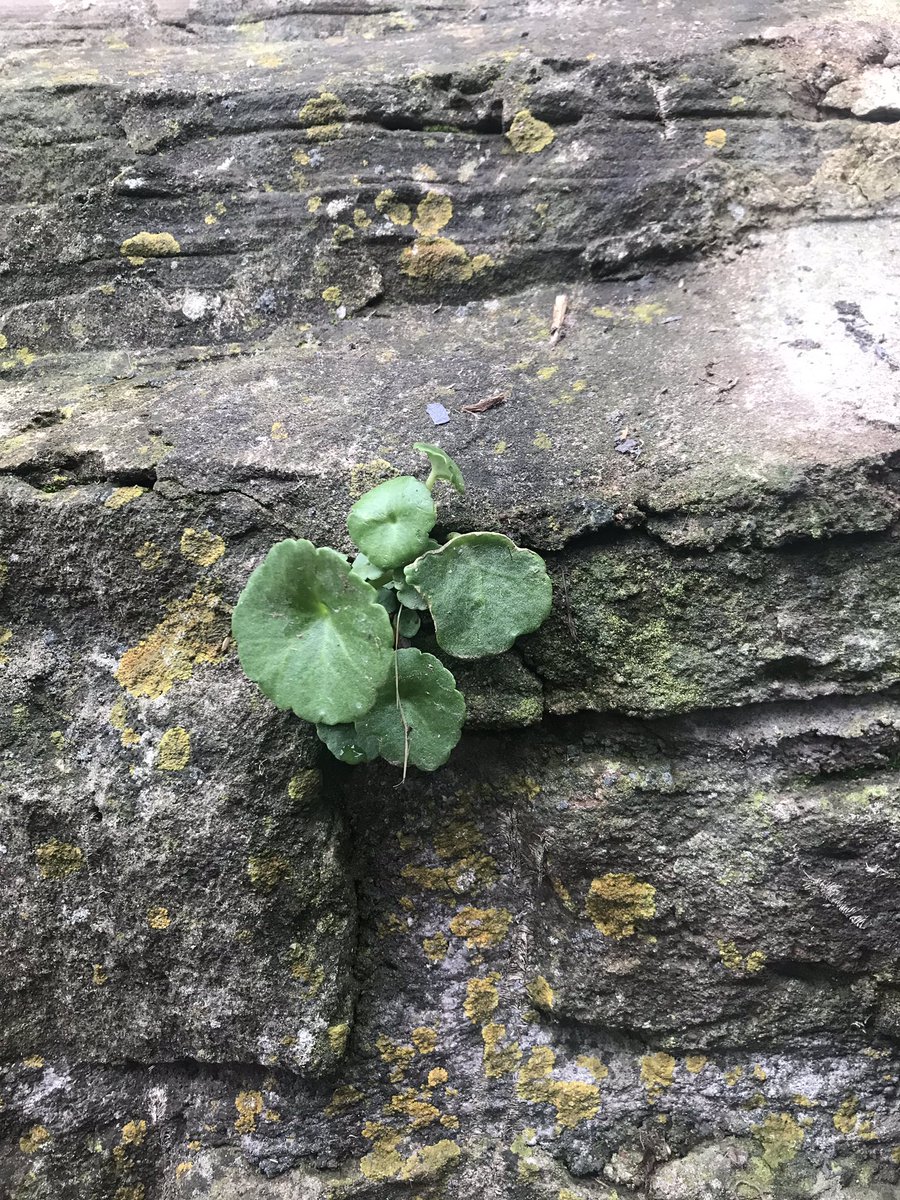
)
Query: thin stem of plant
[
  {"x": 397, "y": 694},
  {"x": 431, "y": 481}
]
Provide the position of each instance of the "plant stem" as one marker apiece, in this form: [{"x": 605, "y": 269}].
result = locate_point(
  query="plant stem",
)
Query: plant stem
[
  {"x": 431, "y": 481},
  {"x": 397, "y": 694}
]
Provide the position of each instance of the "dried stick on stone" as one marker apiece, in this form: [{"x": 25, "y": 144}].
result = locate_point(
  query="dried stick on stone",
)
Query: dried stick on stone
[{"x": 557, "y": 320}]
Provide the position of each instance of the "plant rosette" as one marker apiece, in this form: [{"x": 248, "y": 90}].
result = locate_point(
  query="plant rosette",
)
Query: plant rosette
[{"x": 329, "y": 639}]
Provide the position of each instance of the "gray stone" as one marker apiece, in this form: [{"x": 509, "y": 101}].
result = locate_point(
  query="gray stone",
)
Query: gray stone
[{"x": 639, "y": 938}]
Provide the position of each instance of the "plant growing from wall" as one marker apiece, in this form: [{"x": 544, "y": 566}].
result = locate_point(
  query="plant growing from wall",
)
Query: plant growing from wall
[{"x": 330, "y": 639}]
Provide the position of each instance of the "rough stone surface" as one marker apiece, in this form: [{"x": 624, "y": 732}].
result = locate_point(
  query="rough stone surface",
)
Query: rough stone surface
[{"x": 640, "y": 938}]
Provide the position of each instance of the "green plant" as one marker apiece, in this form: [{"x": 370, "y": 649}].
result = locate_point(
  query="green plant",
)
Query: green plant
[{"x": 328, "y": 639}]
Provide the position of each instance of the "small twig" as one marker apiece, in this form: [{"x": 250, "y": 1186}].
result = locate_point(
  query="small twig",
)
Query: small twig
[
  {"x": 397, "y": 694},
  {"x": 557, "y": 320},
  {"x": 481, "y": 406},
  {"x": 570, "y": 622}
]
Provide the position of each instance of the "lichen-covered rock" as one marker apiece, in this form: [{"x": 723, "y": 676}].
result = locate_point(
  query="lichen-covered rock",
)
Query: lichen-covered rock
[{"x": 639, "y": 938}]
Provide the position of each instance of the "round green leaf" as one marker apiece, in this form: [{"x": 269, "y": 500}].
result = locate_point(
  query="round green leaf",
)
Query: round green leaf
[
  {"x": 391, "y": 523},
  {"x": 442, "y": 465},
  {"x": 343, "y": 743},
  {"x": 483, "y": 592},
  {"x": 406, "y": 594},
  {"x": 365, "y": 569},
  {"x": 311, "y": 634},
  {"x": 409, "y": 622},
  {"x": 387, "y": 598},
  {"x": 434, "y": 711}
]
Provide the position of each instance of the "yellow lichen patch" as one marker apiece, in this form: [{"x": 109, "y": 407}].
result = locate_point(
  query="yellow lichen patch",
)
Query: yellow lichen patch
[
  {"x": 202, "y": 547},
  {"x": 646, "y": 312},
  {"x": 395, "y": 210},
  {"x": 470, "y": 869},
  {"x": 158, "y": 918},
  {"x": 535, "y": 1076},
  {"x": 304, "y": 967},
  {"x": 433, "y": 213},
  {"x": 337, "y": 1037},
  {"x": 715, "y": 139},
  {"x": 440, "y": 260},
  {"x": 540, "y": 992},
  {"x": 366, "y": 475},
  {"x": 149, "y": 245},
  {"x": 657, "y": 1073},
  {"x": 34, "y": 1060},
  {"x": 265, "y": 871},
  {"x": 322, "y": 116},
  {"x": 133, "y": 1133},
  {"x": 574, "y": 1101},
  {"x": 436, "y": 947},
  {"x": 149, "y": 556},
  {"x": 430, "y": 1162},
  {"x": 780, "y": 1138},
  {"x": 5, "y": 639},
  {"x": 481, "y": 927},
  {"x": 759, "y": 1073},
  {"x": 500, "y": 447},
  {"x": 594, "y": 1066},
  {"x": 361, "y": 219},
  {"x": 183, "y": 1168},
  {"x": 345, "y": 1096},
  {"x": 189, "y": 635},
  {"x": 383, "y": 1161},
  {"x": 37, "y": 1137},
  {"x": 424, "y": 173},
  {"x": 546, "y": 373},
  {"x": 174, "y": 752},
  {"x": 424, "y": 1039},
  {"x": 58, "y": 859},
  {"x": 737, "y": 102},
  {"x": 118, "y": 718},
  {"x": 437, "y": 1076},
  {"x": 498, "y": 1060},
  {"x": 122, "y": 496},
  {"x": 543, "y": 441},
  {"x": 615, "y": 902},
  {"x": 304, "y": 786},
  {"x": 333, "y": 295},
  {"x": 398, "y": 1057},
  {"x": 733, "y": 960},
  {"x": 380, "y": 1164},
  {"x": 249, "y": 1106},
  {"x": 731, "y": 957},
  {"x": 341, "y": 234},
  {"x": 98, "y": 975},
  {"x": 481, "y": 999},
  {"x": 848, "y": 1121},
  {"x": 313, "y": 204},
  {"x": 418, "y": 1113},
  {"x": 527, "y": 134},
  {"x": 695, "y": 1063},
  {"x": 733, "y": 1075}
]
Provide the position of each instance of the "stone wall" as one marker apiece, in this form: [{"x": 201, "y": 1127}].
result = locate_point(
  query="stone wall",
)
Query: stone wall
[{"x": 640, "y": 938}]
